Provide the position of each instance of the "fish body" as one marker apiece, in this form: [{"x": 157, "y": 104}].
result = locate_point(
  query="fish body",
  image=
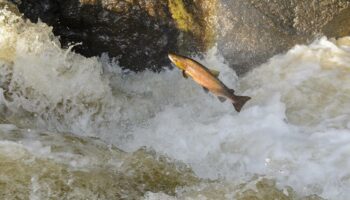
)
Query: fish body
[{"x": 207, "y": 79}]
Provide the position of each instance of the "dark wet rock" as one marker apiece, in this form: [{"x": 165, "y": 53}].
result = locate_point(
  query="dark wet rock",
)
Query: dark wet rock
[
  {"x": 138, "y": 33},
  {"x": 141, "y": 33},
  {"x": 123, "y": 29}
]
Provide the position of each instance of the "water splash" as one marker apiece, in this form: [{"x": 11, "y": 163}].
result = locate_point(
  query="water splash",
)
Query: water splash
[{"x": 295, "y": 130}]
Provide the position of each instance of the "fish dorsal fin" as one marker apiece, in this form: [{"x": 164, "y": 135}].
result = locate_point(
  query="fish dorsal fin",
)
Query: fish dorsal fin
[
  {"x": 222, "y": 99},
  {"x": 205, "y": 89},
  {"x": 214, "y": 72},
  {"x": 184, "y": 74}
]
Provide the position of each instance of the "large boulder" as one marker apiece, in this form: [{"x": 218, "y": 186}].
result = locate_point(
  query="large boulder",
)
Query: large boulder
[
  {"x": 140, "y": 33},
  {"x": 252, "y": 31}
]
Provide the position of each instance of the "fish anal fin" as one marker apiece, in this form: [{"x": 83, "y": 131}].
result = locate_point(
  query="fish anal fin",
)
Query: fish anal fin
[
  {"x": 222, "y": 99},
  {"x": 214, "y": 72},
  {"x": 184, "y": 74},
  {"x": 205, "y": 89}
]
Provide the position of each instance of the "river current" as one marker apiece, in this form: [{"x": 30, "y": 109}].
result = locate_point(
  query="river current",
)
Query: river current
[{"x": 81, "y": 128}]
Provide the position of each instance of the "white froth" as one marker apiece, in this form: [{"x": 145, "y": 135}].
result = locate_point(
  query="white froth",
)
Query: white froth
[
  {"x": 295, "y": 129},
  {"x": 274, "y": 135}
]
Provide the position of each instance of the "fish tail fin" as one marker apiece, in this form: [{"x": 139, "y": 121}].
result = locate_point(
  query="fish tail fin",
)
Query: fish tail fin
[{"x": 239, "y": 101}]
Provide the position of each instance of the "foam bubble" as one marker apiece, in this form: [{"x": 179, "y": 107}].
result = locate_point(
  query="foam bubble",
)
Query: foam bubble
[{"x": 295, "y": 130}]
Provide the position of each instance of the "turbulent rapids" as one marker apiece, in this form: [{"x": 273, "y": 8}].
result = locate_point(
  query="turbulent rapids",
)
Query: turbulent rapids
[{"x": 82, "y": 128}]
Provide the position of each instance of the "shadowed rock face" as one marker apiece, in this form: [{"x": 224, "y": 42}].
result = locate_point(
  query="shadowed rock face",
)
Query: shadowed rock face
[
  {"x": 339, "y": 26},
  {"x": 299, "y": 16},
  {"x": 138, "y": 34},
  {"x": 141, "y": 33},
  {"x": 253, "y": 31}
]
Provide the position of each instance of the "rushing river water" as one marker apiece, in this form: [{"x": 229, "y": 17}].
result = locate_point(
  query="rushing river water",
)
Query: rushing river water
[{"x": 81, "y": 128}]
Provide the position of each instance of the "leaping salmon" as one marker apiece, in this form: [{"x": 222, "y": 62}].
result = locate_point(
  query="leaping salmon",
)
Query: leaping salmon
[{"x": 207, "y": 79}]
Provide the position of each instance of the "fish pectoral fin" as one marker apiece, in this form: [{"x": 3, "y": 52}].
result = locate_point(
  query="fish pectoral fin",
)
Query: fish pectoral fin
[
  {"x": 184, "y": 74},
  {"x": 205, "y": 89},
  {"x": 214, "y": 72},
  {"x": 222, "y": 99}
]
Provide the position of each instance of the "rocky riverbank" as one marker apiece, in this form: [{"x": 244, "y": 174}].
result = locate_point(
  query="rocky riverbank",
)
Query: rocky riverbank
[{"x": 141, "y": 33}]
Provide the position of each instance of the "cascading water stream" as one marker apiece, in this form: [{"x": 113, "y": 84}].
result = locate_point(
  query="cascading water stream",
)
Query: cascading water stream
[{"x": 290, "y": 141}]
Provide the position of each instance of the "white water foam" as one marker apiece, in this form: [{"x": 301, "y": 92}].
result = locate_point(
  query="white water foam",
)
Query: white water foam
[{"x": 295, "y": 129}]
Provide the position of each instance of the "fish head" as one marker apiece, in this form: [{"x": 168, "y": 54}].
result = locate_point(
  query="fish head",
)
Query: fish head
[{"x": 178, "y": 61}]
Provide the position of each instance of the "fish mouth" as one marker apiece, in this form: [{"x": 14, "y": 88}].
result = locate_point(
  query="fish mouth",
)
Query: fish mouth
[
  {"x": 172, "y": 58},
  {"x": 176, "y": 60}
]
